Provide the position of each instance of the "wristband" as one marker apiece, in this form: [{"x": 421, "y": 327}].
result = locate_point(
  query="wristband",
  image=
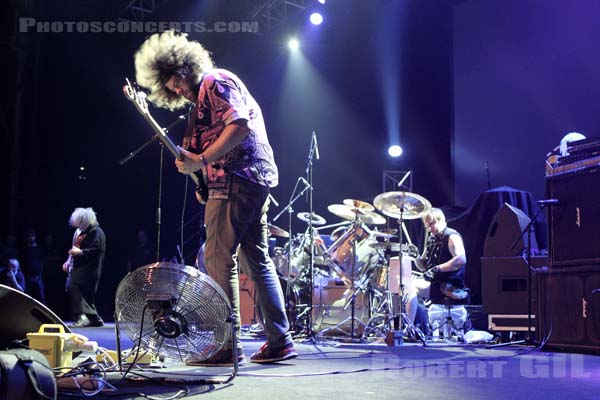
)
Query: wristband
[{"x": 203, "y": 160}]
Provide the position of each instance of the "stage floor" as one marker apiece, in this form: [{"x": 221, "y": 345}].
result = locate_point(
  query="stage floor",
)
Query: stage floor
[{"x": 331, "y": 369}]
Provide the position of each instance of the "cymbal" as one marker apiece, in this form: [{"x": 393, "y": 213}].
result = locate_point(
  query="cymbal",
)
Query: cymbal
[
  {"x": 382, "y": 234},
  {"x": 316, "y": 219},
  {"x": 350, "y": 213},
  {"x": 277, "y": 231},
  {"x": 392, "y": 246},
  {"x": 402, "y": 204},
  {"x": 363, "y": 205}
]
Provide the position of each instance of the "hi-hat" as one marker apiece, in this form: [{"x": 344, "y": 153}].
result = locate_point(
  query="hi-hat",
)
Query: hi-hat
[
  {"x": 316, "y": 219},
  {"x": 277, "y": 231},
  {"x": 363, "y": 205},
  {"x": 403, "y": 205},
  {"x": 351, "y": 213},
  {"x": 382, "y": 234}
]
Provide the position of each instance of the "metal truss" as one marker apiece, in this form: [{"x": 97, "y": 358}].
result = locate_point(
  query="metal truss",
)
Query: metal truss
[
  {"x": 138, "y": 10},
  {"x": 272, "y": 13}
]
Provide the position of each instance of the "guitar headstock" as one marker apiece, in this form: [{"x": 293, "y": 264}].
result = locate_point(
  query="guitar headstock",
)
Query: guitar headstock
[{"x": 137, "y": 97}]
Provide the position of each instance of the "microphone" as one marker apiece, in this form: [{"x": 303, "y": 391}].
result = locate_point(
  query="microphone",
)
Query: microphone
[
  {"x": 548, "y": 202},
  {"x": 314, "y": 137},
  {"x": 404, "y": 178},
  {"x": 305, "y": 182}
]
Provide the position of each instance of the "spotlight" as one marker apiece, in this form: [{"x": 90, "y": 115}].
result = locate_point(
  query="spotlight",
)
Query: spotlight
[
  {"x": 293, "y": 44},
  {"x": 395, "y": 151},
  {"x": 321, "y": 1},
  {"x": 316, "y": 18}
]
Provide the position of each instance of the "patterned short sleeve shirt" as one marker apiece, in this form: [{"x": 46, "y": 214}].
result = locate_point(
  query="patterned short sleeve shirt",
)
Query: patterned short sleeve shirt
[{"x": 222, "y": 99}]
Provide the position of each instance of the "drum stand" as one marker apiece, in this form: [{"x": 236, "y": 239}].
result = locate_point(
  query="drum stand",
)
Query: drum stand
[
  {"x": 352, "y": 319},
  {"x": 385, "y": 308},
  {"x": 403, "y": 319}
]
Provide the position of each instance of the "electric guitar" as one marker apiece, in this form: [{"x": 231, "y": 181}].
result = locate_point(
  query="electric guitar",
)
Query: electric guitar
[{"x": 138, "y": 98}]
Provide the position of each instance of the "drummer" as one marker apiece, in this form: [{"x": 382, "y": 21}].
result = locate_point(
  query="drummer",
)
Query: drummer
[{"x": 443, "y": 259}]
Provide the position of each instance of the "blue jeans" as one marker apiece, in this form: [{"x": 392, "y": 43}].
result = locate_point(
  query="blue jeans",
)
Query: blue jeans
[{"x": 236, "y": 230}]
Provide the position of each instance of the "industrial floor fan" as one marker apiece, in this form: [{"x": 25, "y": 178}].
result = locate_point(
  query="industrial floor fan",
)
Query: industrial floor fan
[{"x": 173, "y": 311}]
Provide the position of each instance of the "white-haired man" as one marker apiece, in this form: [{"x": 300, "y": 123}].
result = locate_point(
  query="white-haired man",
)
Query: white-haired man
[{"x": 84, "y": 266}]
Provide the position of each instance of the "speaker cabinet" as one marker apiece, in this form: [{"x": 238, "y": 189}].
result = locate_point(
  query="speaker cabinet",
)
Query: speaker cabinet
[
  {"x": 22, "y": 314},
  {"x": 568, "y": 309},
  {"x": 505, "y": 285},
  {"x": 573, "y": 223},
  {"x": 504, "y": 235}
]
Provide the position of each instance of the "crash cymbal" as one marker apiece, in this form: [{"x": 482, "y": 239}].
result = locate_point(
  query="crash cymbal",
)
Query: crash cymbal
[
  {"x": 402, "y": 204},
  {"x": 350, "y": 213},
  {"x": 277, "y": 231},
  {"x": 372, "y": 218},
  {"x": 363, "y": 205},
  {"x": 316, "y": 219},
  {"x": 344, "y": 211}
]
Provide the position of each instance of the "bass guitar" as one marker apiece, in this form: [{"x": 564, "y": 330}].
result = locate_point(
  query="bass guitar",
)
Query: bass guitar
[{"x": 138, "y": 98}]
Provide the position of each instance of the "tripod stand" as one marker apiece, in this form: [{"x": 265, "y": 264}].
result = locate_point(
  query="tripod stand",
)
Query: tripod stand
[{"x": 529, "y": 340}]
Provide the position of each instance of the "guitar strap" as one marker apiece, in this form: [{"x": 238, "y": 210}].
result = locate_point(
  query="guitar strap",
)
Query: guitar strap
[{"x": 189, "y": 131}]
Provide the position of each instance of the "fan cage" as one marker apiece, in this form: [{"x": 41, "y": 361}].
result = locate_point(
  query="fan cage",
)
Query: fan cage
[{"x": 194, "y": 296}]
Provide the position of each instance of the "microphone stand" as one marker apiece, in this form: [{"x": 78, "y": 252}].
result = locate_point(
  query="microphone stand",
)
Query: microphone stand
[
  {"x": 309, "y": 175},
  {"x": 528, "y": 228},
  {"x": 290, "y": 211},
  {"x": 160, "y": 175}
]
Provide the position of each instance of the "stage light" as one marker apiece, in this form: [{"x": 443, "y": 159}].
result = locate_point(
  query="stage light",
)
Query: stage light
[
  {"x": 293, "y": 44},
  {"x": 395, "y": 151},
  {"x": 321, "y": 1},
  {"x": 316, "y": 18}
]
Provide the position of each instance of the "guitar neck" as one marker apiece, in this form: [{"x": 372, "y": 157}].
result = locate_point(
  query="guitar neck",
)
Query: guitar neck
[{"x": 167, "y": 142}]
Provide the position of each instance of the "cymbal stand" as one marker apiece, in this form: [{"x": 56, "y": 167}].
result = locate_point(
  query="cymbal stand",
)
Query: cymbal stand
[{"x": 404, "y": 324}]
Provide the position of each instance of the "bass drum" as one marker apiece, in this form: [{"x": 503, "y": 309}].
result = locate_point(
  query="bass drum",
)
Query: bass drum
[
  {"x": 329, "y": 297},
  {"x": 249, "y": 309}
]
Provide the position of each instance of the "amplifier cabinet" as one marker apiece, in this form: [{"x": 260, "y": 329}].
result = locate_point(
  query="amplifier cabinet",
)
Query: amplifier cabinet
[
  {"x": 574, "y": 236},
  {"x": 568, "y": 310}
]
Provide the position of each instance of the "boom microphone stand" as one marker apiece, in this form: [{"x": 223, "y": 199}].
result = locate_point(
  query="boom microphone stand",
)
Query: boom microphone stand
[
  {"x": 314, "y": 150},
  {"x": 160, "y": 174},
  {"x": 290, "y": 211}
]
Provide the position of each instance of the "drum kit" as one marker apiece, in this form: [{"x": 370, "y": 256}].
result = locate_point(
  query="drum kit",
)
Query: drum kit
[{"x": 351, "y": 288}]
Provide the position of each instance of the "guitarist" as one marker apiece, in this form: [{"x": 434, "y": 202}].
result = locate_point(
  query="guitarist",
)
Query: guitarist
[
  {"x": 84, "y": 266},
  {"x": 231, "y": 149}
]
